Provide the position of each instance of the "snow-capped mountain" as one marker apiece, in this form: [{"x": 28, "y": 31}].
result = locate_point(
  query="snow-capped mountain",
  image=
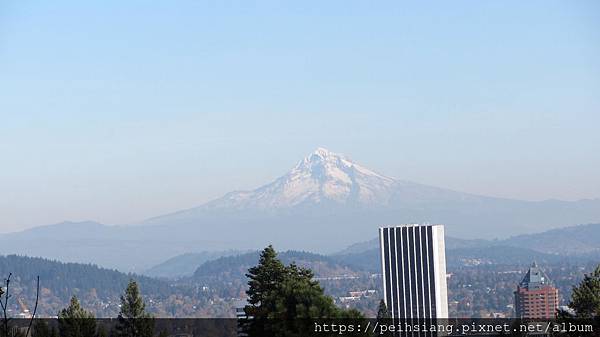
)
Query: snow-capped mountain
[
  {"x": 322, "y": 176},
  {"x": 323, "y": 180},
  {"x": 328, "y": 192},
  {"x": 324, "y": 203},
  {"x": 324, "y": 188}
]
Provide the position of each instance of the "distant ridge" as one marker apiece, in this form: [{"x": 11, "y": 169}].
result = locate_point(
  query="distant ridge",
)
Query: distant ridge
[
  {"x": 579, "y": 240},
  {"x": 59, "y": 281},
  {"x": 324, "y": 203},
  {"x": 573, "y": 240},
  {"x": 328, "y": 193},
  {"x": 185, "y": 264}
]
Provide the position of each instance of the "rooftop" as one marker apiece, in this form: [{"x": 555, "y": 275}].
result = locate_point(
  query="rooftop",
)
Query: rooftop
[{"x": 535, "y": 278}]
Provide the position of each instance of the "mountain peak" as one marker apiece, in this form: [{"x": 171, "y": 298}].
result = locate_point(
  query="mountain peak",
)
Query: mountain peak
[
  {"x": 321, "y": 160},
  {"x": 323, "y": 152},
  {"x": 323, "y": 164},
  {"x": 322, "y": 176}
]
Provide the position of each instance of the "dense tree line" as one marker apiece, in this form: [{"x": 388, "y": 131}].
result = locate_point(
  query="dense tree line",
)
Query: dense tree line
[
  {"x": 474, "y": 291},
  {"x": 226, "y": 275},
  {"x": 283, "y": 300},
  {"x": 237, "y": 265},
  {"x": 62, "y": 278},
  {"x": 75, "y": 321},
  {"x": 97, "y": 288}
]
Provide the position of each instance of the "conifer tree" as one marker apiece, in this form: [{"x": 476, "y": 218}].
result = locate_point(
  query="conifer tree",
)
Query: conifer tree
[
  {"x": 133, "y": 320},
  {"x": 384, "y": 317},
  {"x": 74, "y": 321},
  {"x": 42, "y": 329},
  {"x": 585, "y": 299},
  {"x": 382, "y": 312},
  {"x": 585, "y": 304},
  {"x": 286, "y": 300},
  {"x": 263, "y": 278}
]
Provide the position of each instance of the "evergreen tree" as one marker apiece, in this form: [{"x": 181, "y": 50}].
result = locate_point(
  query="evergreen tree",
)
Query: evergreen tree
[
  {"x": 286, "y": 301},
  {"x": 263, "y": 278},
  {"x": 102, "y": 331},
  {"x": 133, "y": 320},
  {"x": 74, "y": 321},
  {"x": 382, "y": 312},
  {"x": 384, "y": 317},
  {"x": 585, "y": 302},
  {"x": 297, "y": 296},
  {"x": 585, "y": 299},
  {"x": 40, "y": 329}
]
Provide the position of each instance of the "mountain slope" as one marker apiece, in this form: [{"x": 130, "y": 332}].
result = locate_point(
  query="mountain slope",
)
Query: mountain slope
[
  {"x": 582, "y": 241},
  {"x": 321, "y": 177},
  {"x": 324, "y": 179},
  {"x": 228, "y": 268},
  {"x": 574, "y": 240},
  {"x": 98, "y": 288},
  {"x": 184, "y": 264},
  {"x": 451, "y": 243},
  {"x": 328, "y": 193},
  {"x": 323, "y": 204}
]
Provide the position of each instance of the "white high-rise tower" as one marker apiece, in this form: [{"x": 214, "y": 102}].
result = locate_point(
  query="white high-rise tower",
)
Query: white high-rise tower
[{"x": 413, "y": 262}]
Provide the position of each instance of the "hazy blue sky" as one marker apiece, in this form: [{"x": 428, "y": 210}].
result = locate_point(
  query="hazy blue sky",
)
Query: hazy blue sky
[{"x": 121, "y": 110}]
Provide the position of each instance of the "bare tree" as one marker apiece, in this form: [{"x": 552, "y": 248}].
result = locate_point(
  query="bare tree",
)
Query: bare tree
[
  {"x": 37, "y": 297},
  {"x": 5, "y": 292},
  {"x": 4, "y": 304}
]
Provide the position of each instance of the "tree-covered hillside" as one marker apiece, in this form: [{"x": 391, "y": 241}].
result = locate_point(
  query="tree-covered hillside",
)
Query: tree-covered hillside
[
  {"x": 97, "y": 288},
  {"x": 228, "y": 273}
]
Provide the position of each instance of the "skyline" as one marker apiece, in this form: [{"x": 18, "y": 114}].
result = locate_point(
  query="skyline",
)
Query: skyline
[{"x": 120, "y": 112}]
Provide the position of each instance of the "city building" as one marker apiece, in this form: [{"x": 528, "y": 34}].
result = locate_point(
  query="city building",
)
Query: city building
[
  {"x": 536, "y": 297},
  {"x": 413, "y": 262},
  {"x": 240, "y": 314},
  {"x": 239, "y": 306}
]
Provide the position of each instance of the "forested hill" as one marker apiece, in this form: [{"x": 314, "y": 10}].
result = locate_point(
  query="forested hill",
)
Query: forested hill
[
  {"x": 228, "y": 273},
  {"x": 237, "y": 266},
  {"x": 60, "y": 277},
  {"x": 98, "y": 288}
]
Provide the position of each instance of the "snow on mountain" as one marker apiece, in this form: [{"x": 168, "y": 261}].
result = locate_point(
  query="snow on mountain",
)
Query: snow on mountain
[
  {"x": 322, "y": 176},
  {"x": 323, "y": 204}
]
